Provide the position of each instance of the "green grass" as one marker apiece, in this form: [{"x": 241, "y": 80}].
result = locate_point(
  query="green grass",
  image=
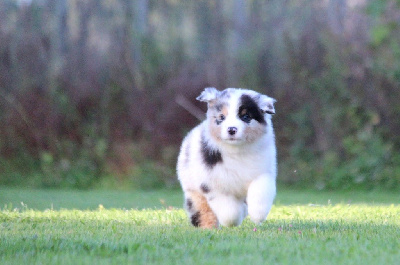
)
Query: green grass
[{"x": 304, "y": 227}]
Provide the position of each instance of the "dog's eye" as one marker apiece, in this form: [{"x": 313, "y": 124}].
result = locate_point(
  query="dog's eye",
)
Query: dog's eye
[
  {"x": 219, "y": 119},
  {"x": 245, "y": 117}
]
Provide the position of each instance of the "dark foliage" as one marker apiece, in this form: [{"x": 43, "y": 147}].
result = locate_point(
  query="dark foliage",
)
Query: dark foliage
[{"x": 91, "y": 91}]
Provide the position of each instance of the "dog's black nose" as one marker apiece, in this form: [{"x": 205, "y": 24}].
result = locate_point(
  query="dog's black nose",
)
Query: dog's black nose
[{"x": 232, "y": 130}]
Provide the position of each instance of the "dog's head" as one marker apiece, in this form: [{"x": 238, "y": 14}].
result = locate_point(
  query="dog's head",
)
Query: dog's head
[{"x": 237, "y": 116}]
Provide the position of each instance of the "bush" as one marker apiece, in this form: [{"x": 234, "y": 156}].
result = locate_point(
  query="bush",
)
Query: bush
[{"x": 88, "y": 90}]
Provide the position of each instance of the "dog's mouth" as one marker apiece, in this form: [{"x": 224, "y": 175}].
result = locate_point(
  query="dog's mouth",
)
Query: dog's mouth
[{"x": 233, "y": 140}]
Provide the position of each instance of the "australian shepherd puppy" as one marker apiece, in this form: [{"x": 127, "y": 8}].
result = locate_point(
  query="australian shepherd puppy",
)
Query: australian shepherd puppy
[{"x": 227, "y": 164}]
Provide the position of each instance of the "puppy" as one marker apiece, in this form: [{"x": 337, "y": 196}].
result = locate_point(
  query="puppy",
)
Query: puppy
[{"x": 227, "y": 164}]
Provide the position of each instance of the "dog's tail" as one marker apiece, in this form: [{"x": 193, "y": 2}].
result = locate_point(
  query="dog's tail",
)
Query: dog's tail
[{"x": 199, "y": 211}]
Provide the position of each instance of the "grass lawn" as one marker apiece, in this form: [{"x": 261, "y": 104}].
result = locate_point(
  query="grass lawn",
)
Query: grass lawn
[{"x": 114, "y": 227}]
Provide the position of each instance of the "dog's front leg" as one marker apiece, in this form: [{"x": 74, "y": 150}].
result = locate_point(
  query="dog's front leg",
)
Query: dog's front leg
[
  {"x": 260, "y": 196},
  {"x": 229, "y": 210}
]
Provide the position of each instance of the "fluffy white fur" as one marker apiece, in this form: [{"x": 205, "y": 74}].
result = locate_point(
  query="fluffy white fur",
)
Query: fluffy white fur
[{"x": 238, "y": 179}]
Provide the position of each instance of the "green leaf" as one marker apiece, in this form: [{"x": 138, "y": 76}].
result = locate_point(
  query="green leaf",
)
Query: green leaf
[
  {"x": 376, "y": 8},
  {"x": 379, "y": 34}
]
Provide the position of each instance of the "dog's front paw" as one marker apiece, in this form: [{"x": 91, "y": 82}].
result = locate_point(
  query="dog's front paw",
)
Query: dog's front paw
[
  {"x": 258, "y": 214},
  {"x": 229, "y": 210}
]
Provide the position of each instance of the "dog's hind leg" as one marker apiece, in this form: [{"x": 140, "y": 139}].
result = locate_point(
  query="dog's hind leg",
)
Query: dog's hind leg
[{"x": 199, "y": 211}]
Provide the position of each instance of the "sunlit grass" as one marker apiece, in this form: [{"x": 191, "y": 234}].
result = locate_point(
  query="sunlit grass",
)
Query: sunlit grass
[
  {"x": 298, "y": 233},
  {"x": 90, "y": 200}
]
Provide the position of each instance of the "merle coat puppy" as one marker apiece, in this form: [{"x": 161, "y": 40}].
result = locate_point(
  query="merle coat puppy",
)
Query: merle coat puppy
[{"x": 227, "y": 164}]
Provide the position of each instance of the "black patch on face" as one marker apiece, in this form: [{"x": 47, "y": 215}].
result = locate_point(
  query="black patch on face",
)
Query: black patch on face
[
  {"x": 195, "y": 219},
  {"x": 204, "y": 188},
  {"x": 249, "y": 110},
  {"x": 189, "y": 204},
  {"x": 211, "y": 156}
]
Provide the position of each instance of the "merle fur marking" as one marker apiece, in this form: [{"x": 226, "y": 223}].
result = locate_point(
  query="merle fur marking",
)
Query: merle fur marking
[
  {"x": 219, "y": 107},
  {"x": 211, "y": 156},
  {"x": 204, "y": 188},
  {"x": 189, "y": 204},
  {"x": 225, "y": 94},
  {"x": 250, "y": 107},
  {"x": 195, "y": 219}
]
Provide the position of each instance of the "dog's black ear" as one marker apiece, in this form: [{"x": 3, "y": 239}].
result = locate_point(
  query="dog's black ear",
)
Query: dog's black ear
[
  {"x": 208, "y": 95},
  {"x": 266, "y": 104}
]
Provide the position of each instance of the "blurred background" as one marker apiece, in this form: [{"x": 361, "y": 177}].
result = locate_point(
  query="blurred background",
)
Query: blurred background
[{"x": 100, "y": 93}]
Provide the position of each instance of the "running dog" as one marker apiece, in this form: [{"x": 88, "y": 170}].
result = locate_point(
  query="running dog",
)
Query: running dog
[{"x": 227, "y": 164}]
